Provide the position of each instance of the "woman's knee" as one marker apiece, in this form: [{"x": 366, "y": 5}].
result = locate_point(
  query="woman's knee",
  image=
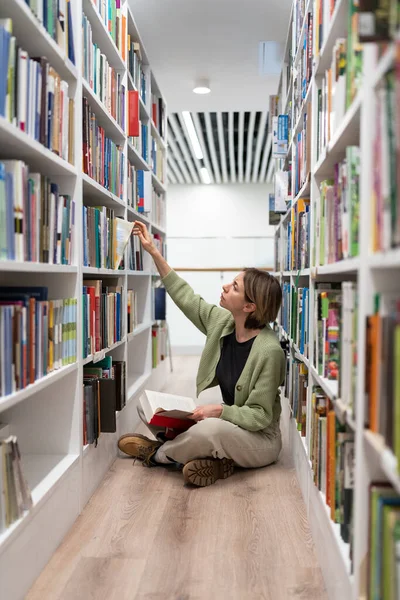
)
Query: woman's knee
[{"x": 209, "y": 427}]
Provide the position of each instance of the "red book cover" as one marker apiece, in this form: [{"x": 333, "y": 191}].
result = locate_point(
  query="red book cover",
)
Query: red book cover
[
  {"x": 154, "y": 113},
  {"x": 133, "y": 113},
  {"x": 171, "y": 423}
]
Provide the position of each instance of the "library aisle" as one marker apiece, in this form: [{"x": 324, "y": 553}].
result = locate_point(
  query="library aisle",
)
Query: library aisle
[{"x": 142, "y": 535}]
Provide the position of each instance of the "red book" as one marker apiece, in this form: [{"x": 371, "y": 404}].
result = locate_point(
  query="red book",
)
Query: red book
[
  {"x": 168, "y": 410},
  {"x": 154, "y": 113},
  {"x": 133, "y": 113}
]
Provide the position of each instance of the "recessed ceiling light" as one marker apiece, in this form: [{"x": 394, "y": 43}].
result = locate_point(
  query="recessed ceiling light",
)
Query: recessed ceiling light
[{"x": 202, "y": 86}]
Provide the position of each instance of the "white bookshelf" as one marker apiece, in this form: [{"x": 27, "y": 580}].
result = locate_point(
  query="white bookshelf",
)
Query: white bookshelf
[
  {"x": 374, "y": 273},
  {"x": 47, "y": 415}
]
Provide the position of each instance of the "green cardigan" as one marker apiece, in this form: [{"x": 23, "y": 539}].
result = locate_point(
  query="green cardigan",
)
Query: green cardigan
[{"x": 257, "y": 396}]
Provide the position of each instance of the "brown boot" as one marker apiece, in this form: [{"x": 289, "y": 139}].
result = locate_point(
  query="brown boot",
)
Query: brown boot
[
  {"x": 206, "y": 471},
  {"x": 139, "y": 446}
]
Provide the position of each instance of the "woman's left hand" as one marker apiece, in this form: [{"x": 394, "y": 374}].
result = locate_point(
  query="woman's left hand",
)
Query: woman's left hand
[{"x": 207, "y": 411}]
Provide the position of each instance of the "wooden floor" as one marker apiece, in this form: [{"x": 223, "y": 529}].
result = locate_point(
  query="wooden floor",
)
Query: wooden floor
[{"x": 143, "y": 535}]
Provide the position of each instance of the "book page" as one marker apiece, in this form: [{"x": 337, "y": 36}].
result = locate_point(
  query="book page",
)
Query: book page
[{"x": 159, "y": 401}]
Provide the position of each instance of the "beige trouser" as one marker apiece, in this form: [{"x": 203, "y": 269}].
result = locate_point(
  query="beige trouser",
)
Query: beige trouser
[{"x": 221, "y": 439}]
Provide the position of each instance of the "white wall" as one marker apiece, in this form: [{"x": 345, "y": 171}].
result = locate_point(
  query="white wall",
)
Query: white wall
[{"x": 215, "y": 227}]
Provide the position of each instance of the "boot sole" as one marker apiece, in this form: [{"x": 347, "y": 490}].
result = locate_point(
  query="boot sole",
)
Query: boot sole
[{"x": 206, "y": 471}]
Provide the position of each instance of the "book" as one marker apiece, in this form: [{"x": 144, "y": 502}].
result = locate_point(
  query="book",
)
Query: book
[{"x": 167, "y": 410}]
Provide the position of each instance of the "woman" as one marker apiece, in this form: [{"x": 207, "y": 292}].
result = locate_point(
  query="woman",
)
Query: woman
[{"x": 243, "y": 356}]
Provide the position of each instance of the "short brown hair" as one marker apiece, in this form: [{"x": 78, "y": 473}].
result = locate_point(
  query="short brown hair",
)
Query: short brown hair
[{"x": 264, "y": 290}]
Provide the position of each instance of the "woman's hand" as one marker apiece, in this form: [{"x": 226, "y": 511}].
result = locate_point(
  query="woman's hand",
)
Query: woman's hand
[
  {"x": 144, "y": 236},
  {"x": 207, "y": 411}
]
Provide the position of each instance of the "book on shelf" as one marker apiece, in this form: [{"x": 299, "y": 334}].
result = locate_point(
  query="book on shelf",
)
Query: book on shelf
[
  {"x": 296, "y": 235},
  {"x": 378, "y": 20},
  {"x": 337, "y": 220},
  {"x": 158, "y": 114},
  {"x": 114, "y": 21},
  {"x": 302, "y": 153},
  {"x": 158, "y": 210},
  {"x": 160, "y": 303},
  {"x": 385, "y": 222},
  {"x": 140, "y": 141},
  {"x": 45, "y": 117},
  {"x": 37, "y": 335},
  {"x": 159, "y": 343},
  {"x": 105, "y": 237},
  {"x": 383, "y": 573},
  {"x": 280, "y": 136},
  {"x": 135, "y": 67},
  {"x": 382, "y": 382},
  {"x": 348, "y": 346},
  {"x": 273, "y": 110},
  {"x": 132, "y": 310},
  {"x": 327, "y": 315},
  {"x": 281, "y": 189},
  {"x": 159, "y": 243},
  {"x": 135, "y": 254},
  {"x": 104, "y": 393},
  {"x": 167, "y": 410},
  {"x": 103, "y": 160},
  {"x": 104, "y": 80},
  {"x": 303, "y": 72},
  {"x": 102, "y": 309},
  {"x": 157, "y": 160},
  {"x": 15, "y": 494},
  {"x": 133, "y": 113},
  {"x": 56, "y": 19},
  {"x": 274, "y": 217},
  {"x": 36, "y": 220},
  {"x": 298, "y": 395}
]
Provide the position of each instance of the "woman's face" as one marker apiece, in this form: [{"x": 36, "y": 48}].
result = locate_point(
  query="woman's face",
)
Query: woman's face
[{"x": 232, "y": 297}]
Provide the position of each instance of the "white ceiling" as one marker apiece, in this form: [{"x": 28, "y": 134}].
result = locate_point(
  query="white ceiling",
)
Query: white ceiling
[{"x": 217, "y": 39}]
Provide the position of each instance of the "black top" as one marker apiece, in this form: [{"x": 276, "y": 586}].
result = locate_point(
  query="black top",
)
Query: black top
[{"x": 231, "y": 364}]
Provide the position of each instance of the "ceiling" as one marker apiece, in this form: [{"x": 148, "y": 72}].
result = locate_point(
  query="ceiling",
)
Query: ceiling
[
  {"x": 236, "y": 147},
  {"x": 219, "y": 40}
]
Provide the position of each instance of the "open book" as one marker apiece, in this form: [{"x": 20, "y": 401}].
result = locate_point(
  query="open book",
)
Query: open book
[{"x": 167, "y": 410}]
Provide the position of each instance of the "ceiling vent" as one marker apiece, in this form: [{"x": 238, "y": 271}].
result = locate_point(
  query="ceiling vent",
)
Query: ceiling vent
[{"x": 235, "y": 147}]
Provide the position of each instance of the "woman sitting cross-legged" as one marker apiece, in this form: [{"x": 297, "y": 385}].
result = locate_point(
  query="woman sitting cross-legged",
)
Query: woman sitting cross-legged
[{"x": 243, "y": 356}]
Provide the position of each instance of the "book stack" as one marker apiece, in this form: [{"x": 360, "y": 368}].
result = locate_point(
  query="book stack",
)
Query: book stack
[
  {"x": 135, "y": 254},
  {"x": 103, "y": 160},
  {"x": 105, "y": 81},
  {"x": 102, "y": 316},
  {"x": 114, "y": 22},
  {"x": 159, "y": 344},
  {"x": 332, "y": 452},
  {"x": 104, "y": 393},
  {"x": 135, "y": 67},
  {"x": 386, "y": 160},
  {"x": 337, "y": 221},
  {"x": 285, "y": 307},
  {"x": 158, "y": 114},
  {"x": 132, "y": 311},
  {"x": 100, "y": 231},
  {"x": 37, "y": 335},
  {"x": 15, "y": 495},
  {"x": 36, "y": 220},
  {"x": 56, "y": 19},
  {"x": 384, "y": 542},
  {"x": 48, "y": 116},
  {"x": 158, "y": 211},
  {"x": 300, "y": 318}
]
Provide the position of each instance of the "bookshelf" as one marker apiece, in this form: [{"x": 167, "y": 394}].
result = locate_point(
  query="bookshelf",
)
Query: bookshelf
[
  {"x": 364, "y": 272},
  {"x": 47, "y": 414}
]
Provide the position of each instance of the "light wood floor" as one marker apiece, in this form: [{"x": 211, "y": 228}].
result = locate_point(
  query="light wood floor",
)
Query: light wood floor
[{"x": 143, "y": 535}]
